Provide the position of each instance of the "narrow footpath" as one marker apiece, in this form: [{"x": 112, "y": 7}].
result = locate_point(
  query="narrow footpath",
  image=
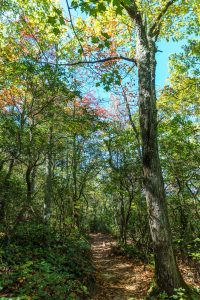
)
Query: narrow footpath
[{"x": 117, "y": 277}]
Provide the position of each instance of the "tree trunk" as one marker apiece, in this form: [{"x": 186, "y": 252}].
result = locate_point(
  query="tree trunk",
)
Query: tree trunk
[
  {"x": 49, "y": 174},
  {"x": 75, "y": 190},
  {"x": 4, "y": 189},
  {"x": 122, "y": 220},
  {"x": 166, "y": 271},
  {"x": 30, "y": 183}
]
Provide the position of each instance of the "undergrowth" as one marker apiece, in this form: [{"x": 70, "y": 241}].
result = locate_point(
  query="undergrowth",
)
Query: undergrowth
[{"x": 37, "y": 263}]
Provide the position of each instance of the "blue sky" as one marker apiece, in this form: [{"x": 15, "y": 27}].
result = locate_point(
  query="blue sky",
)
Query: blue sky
[{"x": 168, "y": 48}]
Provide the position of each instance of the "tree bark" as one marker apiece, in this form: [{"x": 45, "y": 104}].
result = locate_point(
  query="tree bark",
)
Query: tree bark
[{"x": 167, "y": 274}]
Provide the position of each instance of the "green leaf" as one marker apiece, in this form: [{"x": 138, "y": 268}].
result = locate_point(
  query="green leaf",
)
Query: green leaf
[
  {"x": 107, "y": 44},
  {"x": 119, "y": 10},
  {"x": 101, "y": 7},
  {"x": 101, "y": 46},
  {"x": 116, "y": 3},
  {"x": 56, "y": 30},
  {"x": 51, "y": 20},
  {"x": 74, "y": 4},
  {"x": 105, "y": 34},
  {"x": 107, "y": 88},
  {"x": 95, "y": 39},
  {"x": 117, "y": 82},
  {"x": 62, "y": 20},
  {"x": 118, "y": 6},
  {"x": 57, "y": 10},
  {"x": 80, "y": 51}
]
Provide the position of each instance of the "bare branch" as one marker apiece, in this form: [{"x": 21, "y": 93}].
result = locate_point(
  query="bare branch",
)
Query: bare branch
[
  {"x": 71, "y": 21},
  {"x": 93, "y": 61},
  {"x": 155, "y": 28}
]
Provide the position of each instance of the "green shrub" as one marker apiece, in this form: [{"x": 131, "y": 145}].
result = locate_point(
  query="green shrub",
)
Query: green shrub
[{"x": 40, "y": 264}]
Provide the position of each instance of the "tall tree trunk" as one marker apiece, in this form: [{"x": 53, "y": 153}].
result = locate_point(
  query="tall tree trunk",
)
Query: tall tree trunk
[
  {"x": 49, "y": 174},
  {"x": 166, "y": 271},
  {"x": 75, "y": 187}
]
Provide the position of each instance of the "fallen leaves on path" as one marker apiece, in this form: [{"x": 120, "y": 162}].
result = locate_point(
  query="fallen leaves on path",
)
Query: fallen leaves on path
[{"x": 117, "y": 277}]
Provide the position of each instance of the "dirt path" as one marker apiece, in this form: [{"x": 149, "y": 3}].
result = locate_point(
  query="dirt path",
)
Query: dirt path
[{"x": 117, "y": 277}]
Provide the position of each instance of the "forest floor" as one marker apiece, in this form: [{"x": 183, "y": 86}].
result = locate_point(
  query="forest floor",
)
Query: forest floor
[{"x": 121, "y": 278}]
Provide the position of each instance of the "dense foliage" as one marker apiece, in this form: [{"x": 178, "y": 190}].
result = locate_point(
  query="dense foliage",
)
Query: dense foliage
[{"x": 40, "y": 264}]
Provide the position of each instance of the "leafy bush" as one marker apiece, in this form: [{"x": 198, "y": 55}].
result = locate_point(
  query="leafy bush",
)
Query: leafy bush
[
  {"x": 40, "y": 264},
  {"x": 179, "y": 294},
  {"x": 131, "y": 250}
]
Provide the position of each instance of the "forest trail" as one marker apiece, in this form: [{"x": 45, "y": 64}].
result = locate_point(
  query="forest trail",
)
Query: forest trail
[
  {"x": 117, "y": 277},
  {"x": 120, "y": 278}
]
